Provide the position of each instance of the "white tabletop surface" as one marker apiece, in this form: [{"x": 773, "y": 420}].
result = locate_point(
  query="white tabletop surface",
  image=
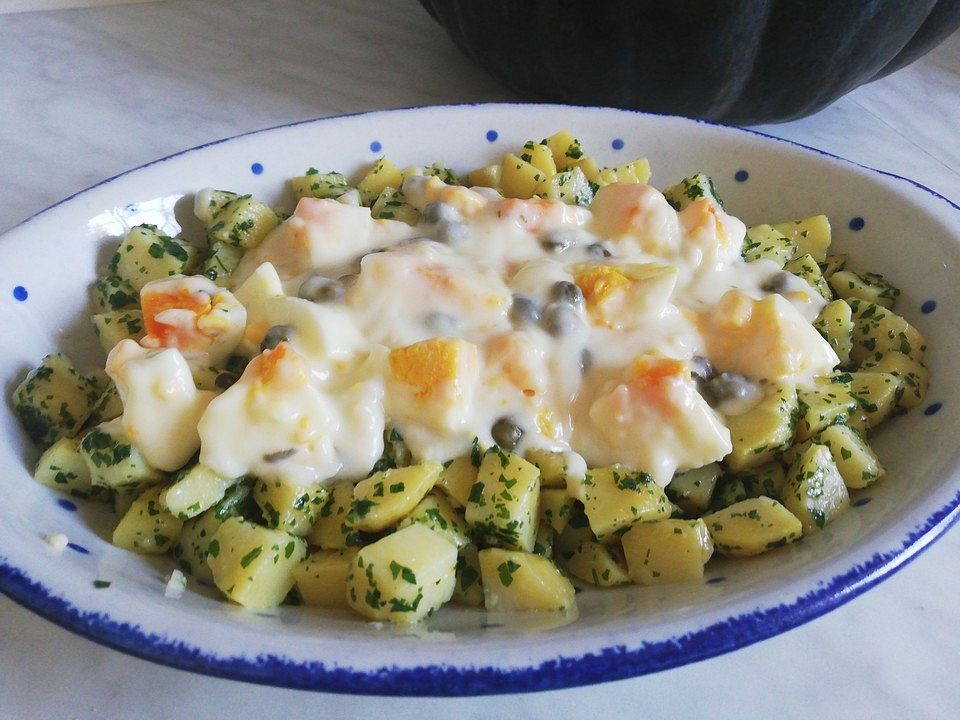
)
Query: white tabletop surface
[{"x": 87, "y": 93}]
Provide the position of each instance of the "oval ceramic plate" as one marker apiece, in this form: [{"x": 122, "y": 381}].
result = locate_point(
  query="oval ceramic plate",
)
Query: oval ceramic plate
[{"x": 886, "y": 224}]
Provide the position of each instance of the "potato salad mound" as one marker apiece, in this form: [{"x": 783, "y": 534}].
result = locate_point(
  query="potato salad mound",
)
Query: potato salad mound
[{"x": 419, "y": 388}]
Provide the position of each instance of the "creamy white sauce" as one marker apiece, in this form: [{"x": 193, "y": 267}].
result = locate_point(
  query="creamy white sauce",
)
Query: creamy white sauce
[{"x": 586, "y": 378}]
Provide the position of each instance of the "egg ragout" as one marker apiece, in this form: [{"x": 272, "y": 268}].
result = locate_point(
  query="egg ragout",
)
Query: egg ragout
[{"x": 554, "y": 326}]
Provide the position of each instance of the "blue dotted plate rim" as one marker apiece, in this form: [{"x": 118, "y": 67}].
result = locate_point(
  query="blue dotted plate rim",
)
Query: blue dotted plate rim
[{"x": 610, "y": 663}]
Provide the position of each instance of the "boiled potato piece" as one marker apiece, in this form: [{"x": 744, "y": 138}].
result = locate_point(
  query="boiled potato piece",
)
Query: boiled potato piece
[
  {"x": 146, "y": 527},
  {"x": 762, "y": 242},
  {"x": 617, "y": 497},
  {"x": 752, "y": 526},
  {"x": 878, "y": 393},
  {"x": 193, "y": 545},
  {"x": 403, "y": 577},
  {"x": 806, "y": 268},
  {"x": 54, "y": 400},
  {"x": 598, "y": 564},
  {"x": 253, "y": 565},
  {"x": 812, "y": 235},
  {"x": 759, "y": 434},
  {"x": 334, "y": 527},
  {"x": 519, "y": 178},
  {"x": 194, "y": 490},
  {"x": 666, "y": 551},
  {"x": 147, "y": 254},
  {"x": 503, "y": 505},
  {"x": 111, "y": 293},
  {"x": 827, "y": 402},
  {"x": 692, "y": 490},
  {"x": 62, "y": 467},
  {"x": 384, "y": 498},
  {"x": 859, "y": 466},
  {"x": 835, "y": 323},
  {"x": 877, "y": 331},
  {"x": 913, "y": 376},
  {"x": 321, "y": 579},
  {"x": 436, "y": 512},
  {"x": 871, "y": 287},
  {"x": 565, "y": 149},
  {"x": 288, "y": 505},
  {"x": 382, "y": 175},
  {"x": 556, "y": 507},
  {"x": 114, "y": 460},
  {"x": 515, "y": 580},
  {"x": 469, "y": 588},
  {"x": 815, "y": 491},
  {"x": 458, "y": 477}
]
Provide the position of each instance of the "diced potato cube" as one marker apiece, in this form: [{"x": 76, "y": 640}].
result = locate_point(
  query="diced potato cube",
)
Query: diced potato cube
[
  {"x": 334, "y": 528},
  {"x": 689, "y": 189},
  {"x": 764, "y": 430},
  {"x": 514, "y": 580},
  {"x": 391, "y": 204},
  {"x": 116, "y": 325},
  {"x": 729, "y": 490},
  {"x": 518, "y": 178},
  {"x": 503, "y": 504},
  {"x": 877, "y": 331},
  {"x": 806, "y": 268},
  {"x": 832, "y": 264},
  {"x": 826, "y": 402},
  {"x": 589, "y": 167},
  {"x": 576, "y": 533},
  {"x": 556, "y": 468},
  {"x": 762, "y": 242},
  {"x": 288, "y": 505},
  {"x": 193, "y": 544},
  {"x": 319, "y": 185},
  {"x": 913, "y": 376},
  {"x": 114, "y": 293},
  {"x": 666, "y": 551},
  {"x": 458, "y": 477},
  {"x": 469, "y": 588},
  {"x": 540, "y": 156},
  {"x": 436, "y": 512},
  {"x": 243, "y": 222},
  {"x": 384, "y": 498},
  {"x": 565, "y": 149},
  {"x": 114, "y": 461},
  {"x": 221, "y": 261},
  {"x": 570, "y": 186},
  {"x": 693, "y": 489},
  {"x": 107, "y": 407},
  {"x": 146, "y": 527},
  {"x": 62, "y": 467},
  {"x": 556, "y": 507},
  {"x": 54, "y": 400},
  {"x": 768, "y": 480},
  {"x": 618, "y": 497},
  {"x": 403, "y": 577},
  {"x": 383, "y": 174},
  {"x": 859, "y": 466},
  {"x": 321, "y": 579},
  {"x": 194, "y": 490},
  {"x": 812, "y": 235},
  {"x": 487, "y": 176},
  {"x": 870, "y": 287},
  {"x": 598, "y": 564},
  {"x": 815, "y": 491},
  {"x": 253, "y": 565},
  {"x": 209, "y": 201},
  {"x": 877, "y": 392},
  {"x": 751, "y": 527},
  {"x": 146, "y": 254},
  {"x": 835, "y": 323}
]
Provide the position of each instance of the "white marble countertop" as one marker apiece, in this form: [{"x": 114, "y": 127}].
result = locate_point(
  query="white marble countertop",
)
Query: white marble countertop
[{"x": 88, "y": 93}]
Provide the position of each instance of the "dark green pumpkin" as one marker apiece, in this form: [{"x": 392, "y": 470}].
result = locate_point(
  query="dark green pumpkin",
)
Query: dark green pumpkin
[{"x": 735, "y": 61}]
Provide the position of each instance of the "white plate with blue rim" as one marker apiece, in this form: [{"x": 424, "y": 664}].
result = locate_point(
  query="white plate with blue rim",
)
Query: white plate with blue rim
[{"x": 117, "y": 598}]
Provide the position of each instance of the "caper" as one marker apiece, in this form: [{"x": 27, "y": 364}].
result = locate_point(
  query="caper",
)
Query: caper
[
  {"x": 438, "y": 211},
  {"x": 441, "y": 323},
  {"x": 559, "y": 319},
  {"x": 320, "y": 289},
  {"x": 777, "y": 283},
  {"x": 276, "y": 335},
  {"x": 506, "y": 433},
  {"x": 701, "y": 368},
  {"x": 726, "y": 386},
  {"x": 566, "y": 292},
  {"x": 225, "y": 380},
  {"x": 453, "y": 233},
  {"x": 586, "y": 360},
  {"x": 524, "y": 311},
  {"x": 279, "y": 455},
  {"x": 597, "y": 250},
  {"x": 556, "y": 241}
]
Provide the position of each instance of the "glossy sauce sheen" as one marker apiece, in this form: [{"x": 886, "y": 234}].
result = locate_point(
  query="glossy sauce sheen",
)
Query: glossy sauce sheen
[{"x": 575, "y": 326}]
